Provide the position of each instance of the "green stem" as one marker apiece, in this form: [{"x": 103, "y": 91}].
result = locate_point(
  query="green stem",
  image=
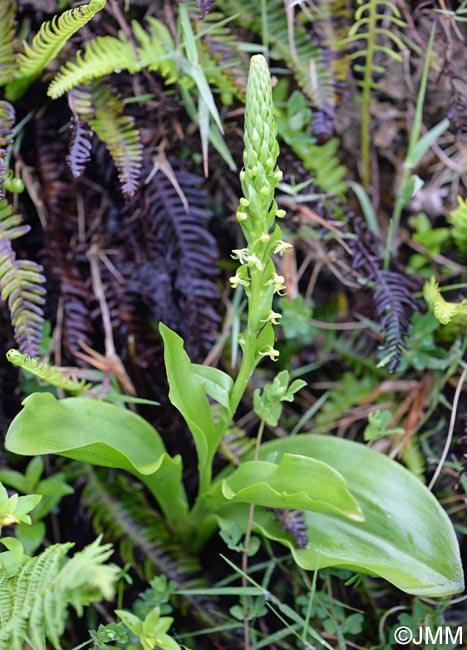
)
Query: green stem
[
  {"x": 410, "y": 161},
  {"x": 247, "y": 366},
  {"x": 246, "y": 543},
  {"x": 366, "y": 97}
]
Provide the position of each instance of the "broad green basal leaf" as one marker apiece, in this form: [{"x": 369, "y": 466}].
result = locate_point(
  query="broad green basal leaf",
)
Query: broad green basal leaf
[
  {"x": 406, "y": 536},
  {"x": 102, "y": 434},
  {"x": 85, "y": 429},
  {"x": 296, "y": 482}
]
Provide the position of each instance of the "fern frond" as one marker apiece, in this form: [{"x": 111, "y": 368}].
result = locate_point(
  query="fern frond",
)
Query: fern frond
[
  {"x": 144, "y": 540},
  {"x": 176, "y": 283},
  {"x": 20, "y": 284},
  {"x": 47, "y": 43},
  {"x": 102, "y": 56},
  {"x": 7, "y": 41},
  {"x": 53, "y": 375},
  {"x": 394, "y": 307},
  {"x": 119, "y": 134},
  {"x": 369, "y": 24},
  {"x": 371, "y": 18},
  {"x": 157, "y": 50},
  {"x": 458, "y": 220},
  {"x": 80, "y": 144},
  {"x": 392, "y": 298},
  {"x": 33, "y": 603},
  {"x": 225, "y": 65},
  {"x": 7, "y": 120},
  {"x": 301, "y": 56},
  {"x": 107, "y": 54},
  {"x": 87, "y": 578}
]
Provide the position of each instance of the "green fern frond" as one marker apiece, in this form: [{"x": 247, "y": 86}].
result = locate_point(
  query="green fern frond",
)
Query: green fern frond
[
  {"x": 119, "y": 134},
  {"x": 370, "y": 25},
  {"x": 47, "y": 43},
  {"x": 413, "y": 457},
  {"x": 102, "y": 56},
  {"x": 301, "y": 56},
  {"x": 458, "y": 221},
  {"x": 107, "y": 54},
  {"x": 366, "y": 33},
  {"x": 53, "y": 375},
  {"x": 7, "y": 41},
  {"x": 225, "y": 65},
  {"x": 157, "y": 51},
  {"x": 293, "y": 118},
  {"x": 20, "y": 284},
  {"x": 91, "y": 579},
  {"x": 33, "y": 603}
]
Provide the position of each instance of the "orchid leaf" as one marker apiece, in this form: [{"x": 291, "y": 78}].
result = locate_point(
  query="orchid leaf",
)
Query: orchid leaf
[
  {"x": 85, "y": 429},
  {"x": 102, "y": 434},
  {"x": 406, "y": 537},
  {"x": 216, "y": 384},
  {"x": 187, "y": 394},
  {"x": 296, "y": 482}
]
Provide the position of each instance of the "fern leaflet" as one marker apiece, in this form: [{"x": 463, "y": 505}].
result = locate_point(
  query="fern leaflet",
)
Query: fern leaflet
[
  {"x": 33, "y": 603},
  {"x": 107, "y": 54},
  {"x": 7, "y": 41},
  {"x": 20, "y": 284},
  {"x": 458, "y": 221},
  {"x": 392, "y": 298},
  {"x": 53, "y": 375},
  {"x": 366, "y": 28},
  {"x": 119, "y": 134},
  {"x": 47, "y": 43},
  {"x": 7, "y": 120},
  {"x": 102, "y": 56}
]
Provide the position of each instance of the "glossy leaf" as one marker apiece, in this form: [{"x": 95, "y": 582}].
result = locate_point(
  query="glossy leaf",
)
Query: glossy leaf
[
  {"x": 406, "y": 537},
  {"x": 297, "y": 482},
  {"x": 216, "y": 384},
  {"x": 187, "y": 394},
  {"x": 85, "y": 429},
  {"x": 102, "y": 434}
]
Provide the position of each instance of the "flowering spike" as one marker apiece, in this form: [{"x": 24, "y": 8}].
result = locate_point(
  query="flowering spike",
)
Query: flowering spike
[{"x": 261, "y": 147}]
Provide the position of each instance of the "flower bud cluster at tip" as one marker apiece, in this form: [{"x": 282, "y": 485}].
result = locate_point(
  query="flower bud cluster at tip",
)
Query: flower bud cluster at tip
[{"x": 260, "y": 175}]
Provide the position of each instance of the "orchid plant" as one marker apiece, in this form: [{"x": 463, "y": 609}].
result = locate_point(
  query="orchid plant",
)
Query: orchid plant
[{"x": 360, "y": 509}]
